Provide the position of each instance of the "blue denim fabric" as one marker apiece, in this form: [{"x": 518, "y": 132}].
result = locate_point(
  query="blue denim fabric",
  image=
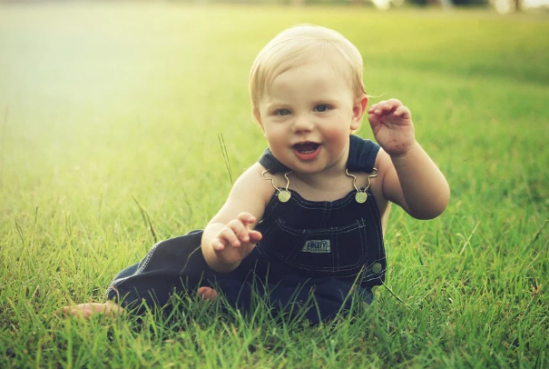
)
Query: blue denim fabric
[{"x": 309, "y": 249}]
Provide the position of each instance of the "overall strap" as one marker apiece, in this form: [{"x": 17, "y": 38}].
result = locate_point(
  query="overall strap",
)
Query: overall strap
[
  {"x": 271, "y": 163},
  {"x": 362, "y": 155}
]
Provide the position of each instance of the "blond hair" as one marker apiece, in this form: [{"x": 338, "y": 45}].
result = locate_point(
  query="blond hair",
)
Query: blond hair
[{"x": 299, "y": 45}]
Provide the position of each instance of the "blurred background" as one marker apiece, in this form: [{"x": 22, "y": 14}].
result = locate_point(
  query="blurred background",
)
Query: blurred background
[
  {"x": 501, "y": 6},
  {"x": 114, "y": 98}
]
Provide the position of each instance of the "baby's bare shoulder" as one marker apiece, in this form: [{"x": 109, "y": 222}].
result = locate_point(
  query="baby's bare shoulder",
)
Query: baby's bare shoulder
[{"x": 255, "y": 181}]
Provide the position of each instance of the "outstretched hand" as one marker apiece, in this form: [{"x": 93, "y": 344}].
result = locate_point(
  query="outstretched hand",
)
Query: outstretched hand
[
  {"x": 392, "y": 126},
  {"x": 236, "y": 240}
]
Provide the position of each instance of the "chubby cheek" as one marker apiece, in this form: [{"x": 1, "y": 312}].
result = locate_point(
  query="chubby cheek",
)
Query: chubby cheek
[
  {"x": 275, "y": 131},
  {"x": 337, "y": 137},
  {"x": 276, "y": 141},
  {"x": 275, "y": 138}
]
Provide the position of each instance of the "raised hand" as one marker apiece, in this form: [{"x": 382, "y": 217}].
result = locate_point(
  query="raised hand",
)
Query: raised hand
[
  {"x": 236, "y": 240},
  {"x": 392, "y": 126}
]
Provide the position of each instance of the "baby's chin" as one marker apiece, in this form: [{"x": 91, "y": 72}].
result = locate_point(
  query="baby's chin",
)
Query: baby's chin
[{"x": 307, "y": 168}]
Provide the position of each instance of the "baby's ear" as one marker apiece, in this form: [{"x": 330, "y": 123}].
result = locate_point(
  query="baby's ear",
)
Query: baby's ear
[{"x": 359, "y": 108}]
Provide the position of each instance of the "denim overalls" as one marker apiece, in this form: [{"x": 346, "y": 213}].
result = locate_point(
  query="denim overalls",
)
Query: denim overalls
[{"x": 311, "y": 255}]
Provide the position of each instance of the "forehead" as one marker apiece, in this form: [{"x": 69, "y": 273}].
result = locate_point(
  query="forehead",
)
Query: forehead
[
  {"x": 307, "y": 84},
  {"x": 316, "y": 74}
]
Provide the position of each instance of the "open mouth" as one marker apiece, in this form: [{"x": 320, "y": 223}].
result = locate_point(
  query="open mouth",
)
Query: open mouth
[
  {"x": 306, "y": 147},
  {"x": 306, "y": 150}
]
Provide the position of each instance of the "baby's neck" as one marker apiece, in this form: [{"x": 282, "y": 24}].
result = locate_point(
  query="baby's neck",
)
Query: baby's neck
[{"x": 321, "y": 186}]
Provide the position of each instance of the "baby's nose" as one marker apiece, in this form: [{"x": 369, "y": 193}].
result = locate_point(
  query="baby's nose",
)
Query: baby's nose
[{"x": 302, "y": 123}]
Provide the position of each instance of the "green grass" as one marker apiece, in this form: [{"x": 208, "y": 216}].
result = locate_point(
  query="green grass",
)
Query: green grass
[{"x": 101, "y": 104}]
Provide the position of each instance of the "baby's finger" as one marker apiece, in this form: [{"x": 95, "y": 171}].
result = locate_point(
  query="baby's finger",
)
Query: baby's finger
[
  {"x": 218, "y": 245},
  {"x": 390, "y": 105},
  {"x": 374, "y": 119},
  {"x": 246, "y": 218},
  {"x": 239, "y": 229},
  {"x": 255, "y": 236},
  {"x": 228, "y": 236},
  {"x": 375, "y": 107},
  {"x": 402, "y": 112},
  {"x": 384, "y": 109},
  {"x": 394, "y": 103}
]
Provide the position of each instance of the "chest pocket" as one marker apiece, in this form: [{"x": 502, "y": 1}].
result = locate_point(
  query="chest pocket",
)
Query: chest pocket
[{"x": 336, "y": 251}]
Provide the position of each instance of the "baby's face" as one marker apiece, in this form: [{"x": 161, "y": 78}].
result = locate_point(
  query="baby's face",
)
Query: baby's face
[{"x": 307, "y": 114}]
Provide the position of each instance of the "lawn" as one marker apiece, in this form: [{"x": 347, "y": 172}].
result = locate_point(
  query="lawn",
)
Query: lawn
[{"x": 110, "y": 123}]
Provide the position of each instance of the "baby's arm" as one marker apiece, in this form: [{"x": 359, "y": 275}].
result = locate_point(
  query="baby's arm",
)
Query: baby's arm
[
  {"x": 230, "y": 236},
  {"x": 410, "y": 178}
]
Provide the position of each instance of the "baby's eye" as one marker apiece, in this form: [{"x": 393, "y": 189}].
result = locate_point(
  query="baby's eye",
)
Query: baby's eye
[
  {"x": 321, "y": 108},
  {"x": 282, "y": 112}
]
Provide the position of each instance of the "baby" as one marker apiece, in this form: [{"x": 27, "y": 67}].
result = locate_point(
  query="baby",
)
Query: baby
[{"x": 307, "y": 220}]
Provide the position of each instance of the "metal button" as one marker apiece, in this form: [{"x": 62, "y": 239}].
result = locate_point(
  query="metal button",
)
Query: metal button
[{"x": 376, "y": 268}]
